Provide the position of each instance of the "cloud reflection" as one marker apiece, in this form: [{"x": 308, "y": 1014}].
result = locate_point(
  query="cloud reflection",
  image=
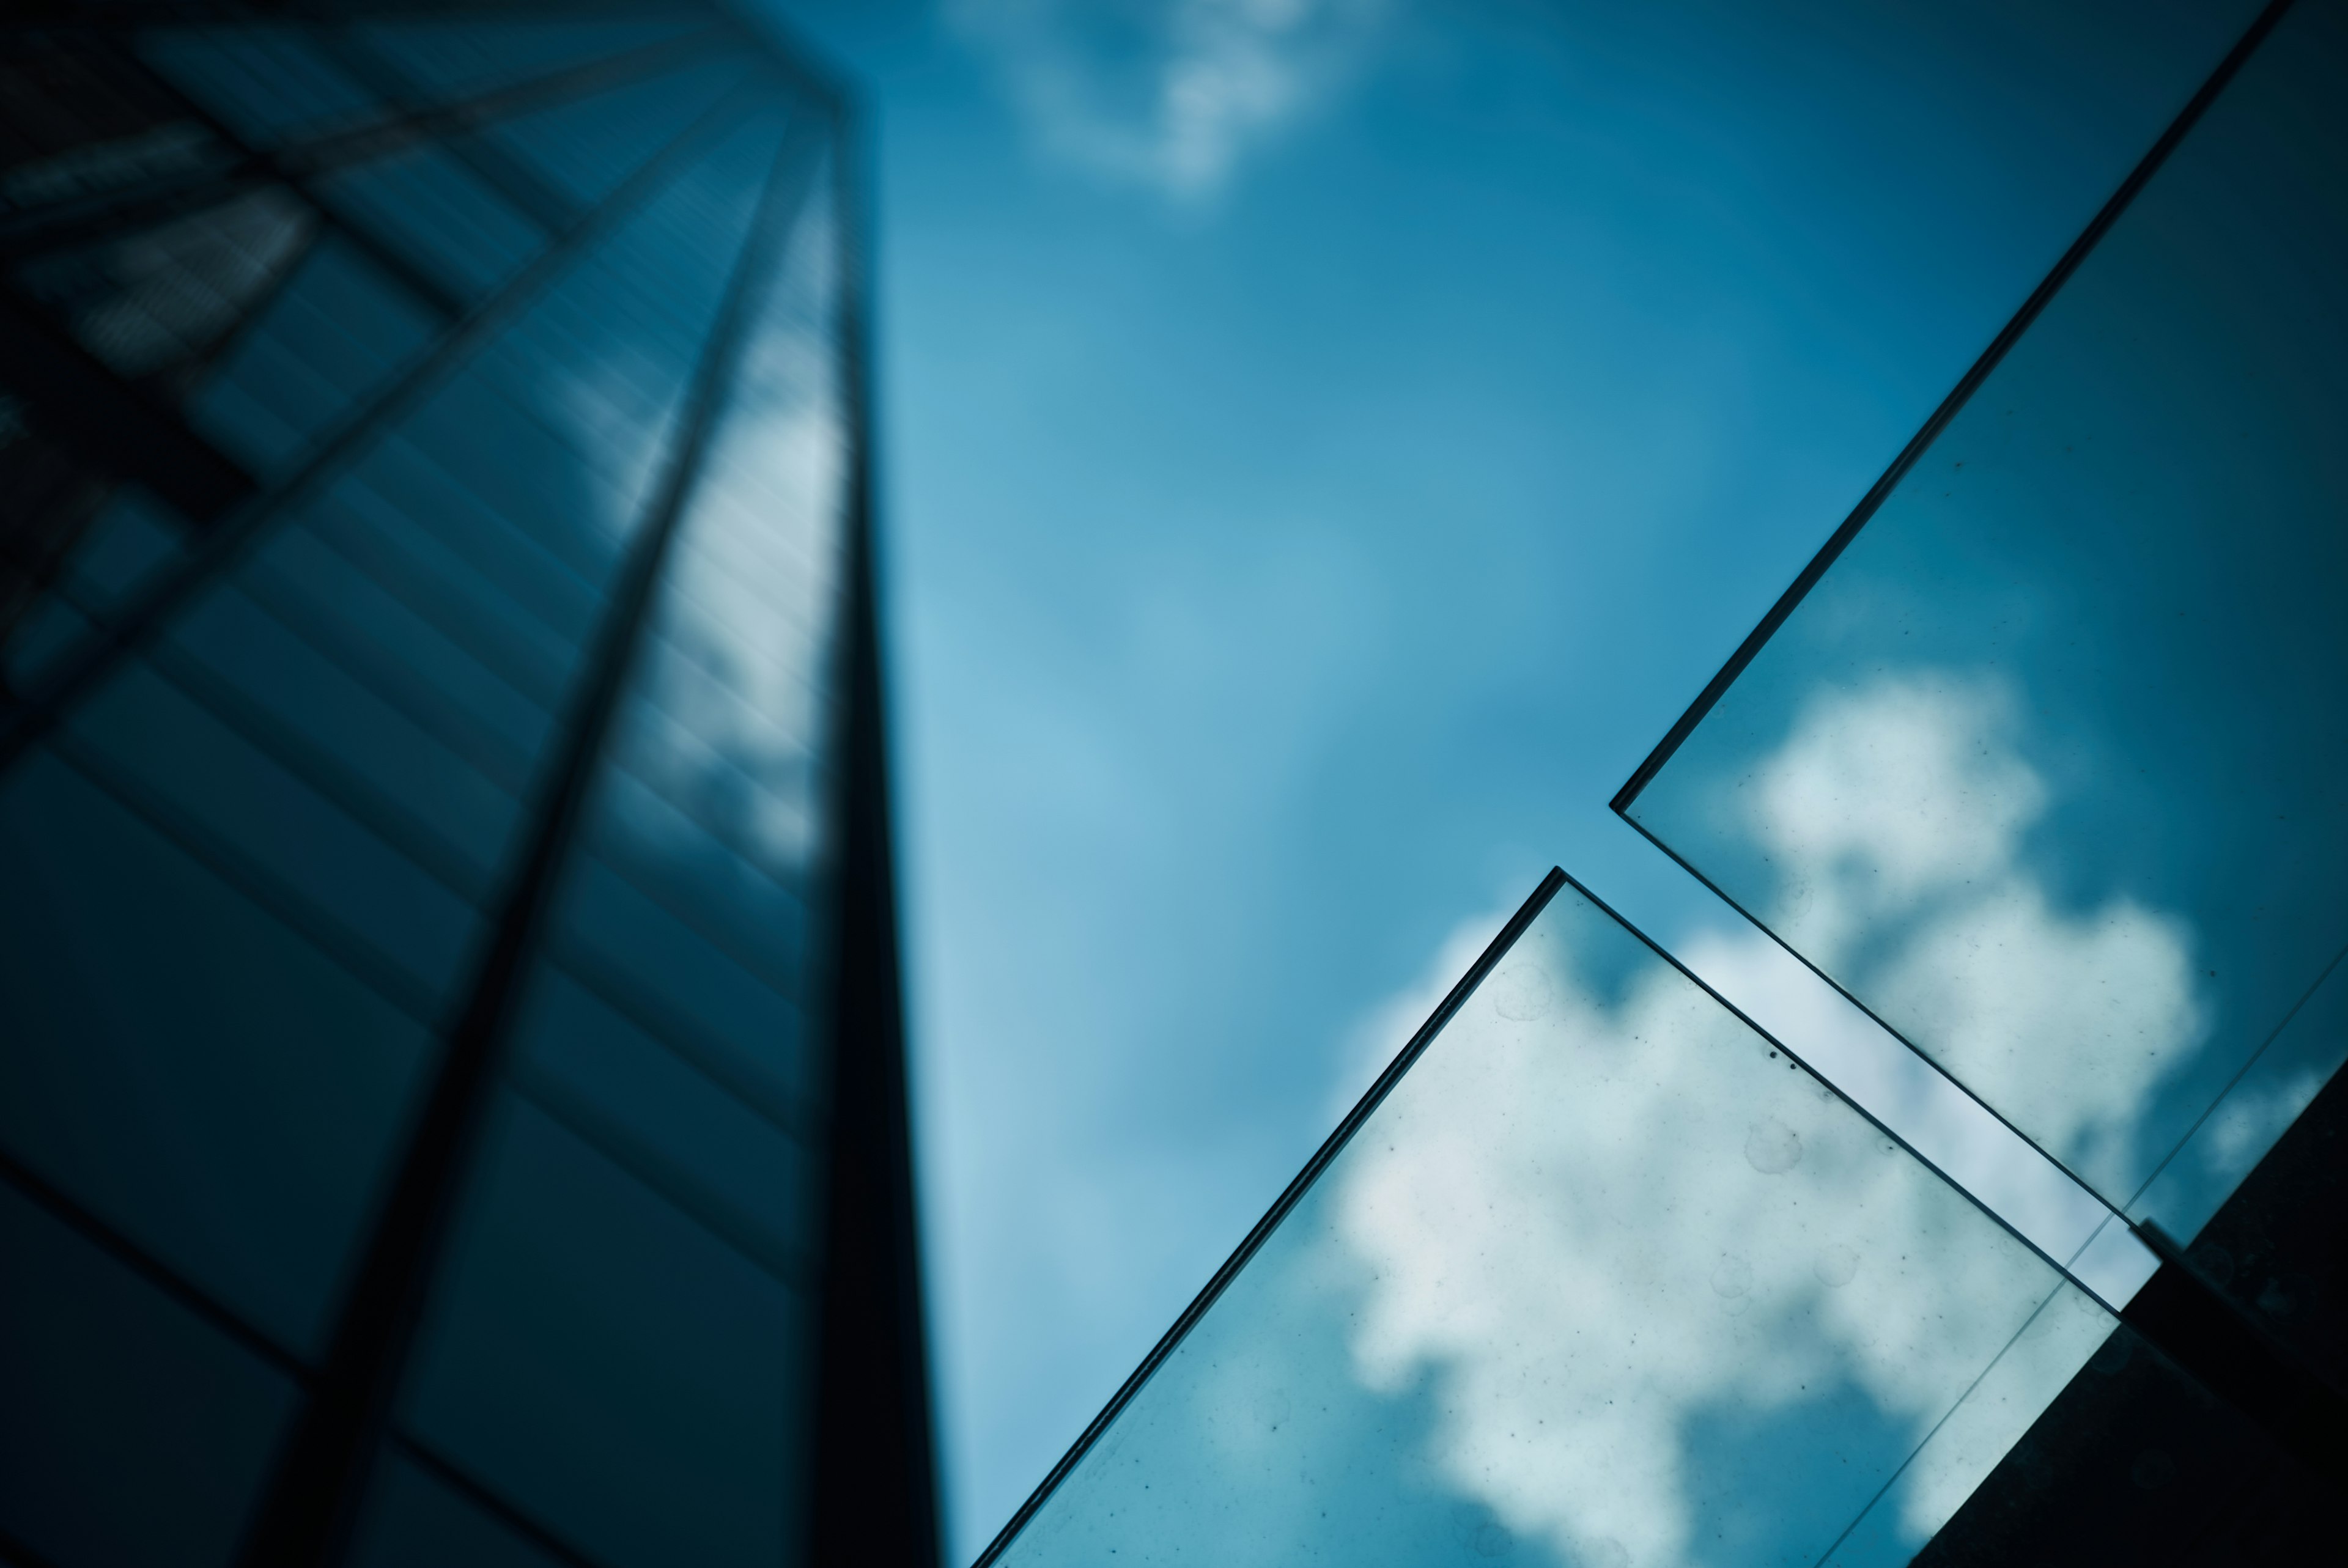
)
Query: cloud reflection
[
  {"x": 1648, "y": 1266},
  {"x": 1169, "y": 93},
  {"x": 1897, "y": 814}
]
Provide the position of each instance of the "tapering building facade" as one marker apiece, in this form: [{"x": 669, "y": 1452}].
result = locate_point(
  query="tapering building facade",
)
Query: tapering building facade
[{"x": 452, "y": 1102}]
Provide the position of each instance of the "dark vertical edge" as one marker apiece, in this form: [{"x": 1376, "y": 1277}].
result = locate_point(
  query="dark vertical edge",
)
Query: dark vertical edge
[
  {"x": 874, "y": 1483},
  {"x": 307, "y": 1518},
  {"x": 1880, "y": 491}
]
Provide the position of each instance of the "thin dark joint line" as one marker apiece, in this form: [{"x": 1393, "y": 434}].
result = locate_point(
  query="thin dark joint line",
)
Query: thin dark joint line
[
  {"x": 511, "y": 176},
  {"x": 333, "y": 937},
  {"x": 312, "y": 1501},
  {"x": 1880, "y": 491},
  {"x": 462, "y": 1481},
  {"x": 346, "y": 789},
  {"x": 198, "y": 1302},
  {"x": 663, "y": 1178},
  {"x": 1951, "y": 1079},
  {"x": 770, "y": 1105},
  {"x": 1926, "y": 1440},
  {"x": 1288, "y": 1198},
  {"x": 1829, "y": 1085},
  {"x": 2239, "y": 1073},
  {"x": 310, "y": 156},
  {"x": 230, "y": 541}
]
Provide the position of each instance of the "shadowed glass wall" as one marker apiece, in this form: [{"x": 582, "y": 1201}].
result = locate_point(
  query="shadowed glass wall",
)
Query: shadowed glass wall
[{"x": 430, "y": 457}]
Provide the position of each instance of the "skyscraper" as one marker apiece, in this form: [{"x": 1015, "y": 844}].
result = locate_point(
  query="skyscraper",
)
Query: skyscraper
[{"x": 451, "y": 1092}]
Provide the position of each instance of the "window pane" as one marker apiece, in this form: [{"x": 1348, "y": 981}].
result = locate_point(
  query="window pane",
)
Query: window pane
[
  {"x": 176, "y": 754},
  {"x": 708, "y": 1151},
  {"x": 182, "y": 1062},
  {"x": 109, "y": 1390},
  {"x": 1605, "y": 1278},
  {"x": 481, "y": 52},
  {"x": 669, "y": 971},
  {"x": 612, "y": 1368},
  {"x": 415, "y": 1520},
  {"x": 428, "y": 204},
  {"x": 2050, "y": 770}
]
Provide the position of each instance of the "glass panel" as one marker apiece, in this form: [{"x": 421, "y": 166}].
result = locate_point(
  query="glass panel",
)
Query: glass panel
[
  {"x": 415, "y": 1520},
  {"x": 345, "y": 612},
  {"x": 2050, "y": 771},
  {"x": 183, "y": 758},
  {"x": 263, "y": 83},
  {"x": 750, "y": 913},
  {"x": 2136, "y": 1463},
  {"x": 589, "y": 144},
  {"x": 708, "y": 1151},
  {"x": 431, "y": 205},
  {"x": 445, "y": 588},
  {"x": 182, "y": 1062},
  {"x": 612, "y": 1368},
  {"x": 1605, "y": 1278},
  {"x": 669, "y": 971},
  {"x": 109, "y": 1391},
  {"x": 480, "y": 53},
  {"x": 333, "y": 336},
  {"x": 128, "y": 543},
  {"x": 394, "y": 765}
]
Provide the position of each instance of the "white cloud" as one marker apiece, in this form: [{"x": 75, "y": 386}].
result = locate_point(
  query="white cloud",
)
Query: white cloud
[
  {"x": 1596, "y": 1219},
  {"x": 1599, "y": 1221},
  {"x": 1901, "y": 806},
  {"x": 1169, "y": 93}
]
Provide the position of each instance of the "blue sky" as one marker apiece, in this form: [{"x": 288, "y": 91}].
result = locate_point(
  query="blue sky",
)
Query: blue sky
[{"x": 1327, "y": 443}]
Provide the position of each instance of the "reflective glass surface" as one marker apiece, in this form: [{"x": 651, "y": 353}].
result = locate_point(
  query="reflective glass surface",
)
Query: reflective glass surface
[
  {"x": 2050, "y": 769},
  {"x": 249, "y": 871},
  {"x": 612, "y": 1365},
  {"x": 1606, "y": 1278},
  {"x": 110, "y": 1390}
]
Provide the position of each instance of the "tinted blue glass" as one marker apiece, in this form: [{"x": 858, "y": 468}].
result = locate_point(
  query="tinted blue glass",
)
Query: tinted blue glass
[
  {"x": 45, "y": 643},
  {"x": 180, "y": 756},
  {"x": 415, "y": 1520},
  {"x": 401, "y": 483},
  {"x": 334, "y": 336},
  {"x": 444, "y": 589},
  {"x": 411, "y": 662},
  {"x": 265, "y": 83},
  {"x": 182, "y": 1062},
  {"x": 431, "y": 206},
  {"x": 670, "y": 972},
  {"x": 706, "y": 1148},
  {"x": 2051, "y": 769},
  {"x": 127, "y": 546},
  {"x": 405, "y": 770},
  {"x": 611, "y": 1367},
  {"x": 727, "y": 788},
  {"x": 110, "y": 1391},
  {"x": 1602, "y": 1279},
  {"x": 484, "y": 52},
  {"x": 588, "y": 145},
  {"x": 754, "y": 916}
]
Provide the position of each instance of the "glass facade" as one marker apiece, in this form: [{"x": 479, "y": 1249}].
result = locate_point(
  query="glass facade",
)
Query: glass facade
[
  {"x": 2049, "y": 772},
  {"x": 450, "y": 1104}
]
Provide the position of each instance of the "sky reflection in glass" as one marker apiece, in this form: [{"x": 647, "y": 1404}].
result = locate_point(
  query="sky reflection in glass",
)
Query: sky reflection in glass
[
  {"x": 2048, "y": 770},
  {"x": 1606, "y": 1278}
]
